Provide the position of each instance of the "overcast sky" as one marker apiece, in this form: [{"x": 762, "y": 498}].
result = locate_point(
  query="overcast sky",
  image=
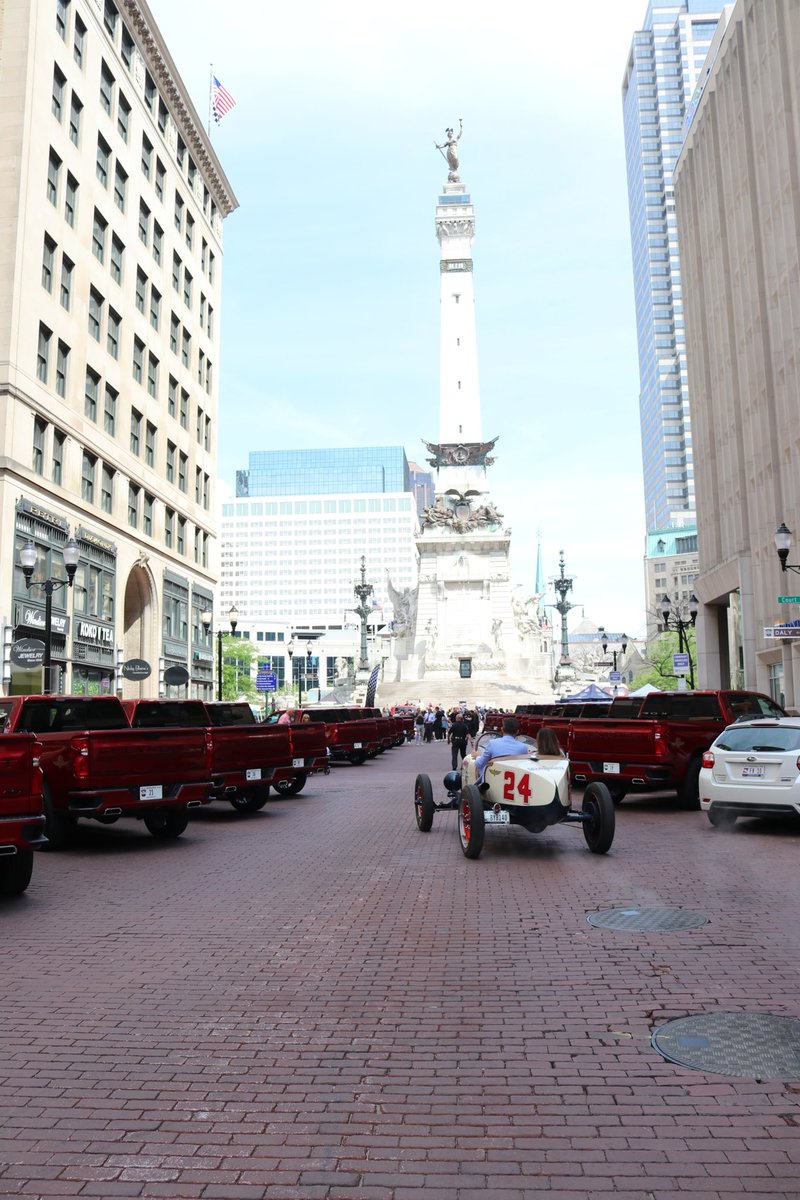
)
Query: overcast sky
[{"x": 330, "y": 333}]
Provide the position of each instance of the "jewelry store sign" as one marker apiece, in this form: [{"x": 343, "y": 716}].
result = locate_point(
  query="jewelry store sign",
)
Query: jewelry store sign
[{"x": 33, "y": 618}]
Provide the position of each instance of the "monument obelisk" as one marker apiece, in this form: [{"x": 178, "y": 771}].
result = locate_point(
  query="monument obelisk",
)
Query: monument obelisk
[{"x": 464, "y": 622}]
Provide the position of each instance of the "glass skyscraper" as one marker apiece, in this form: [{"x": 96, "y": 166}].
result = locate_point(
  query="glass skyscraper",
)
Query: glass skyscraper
[
  {"x": 664, "y": 69},
  {"x": 330, "y": 471}
]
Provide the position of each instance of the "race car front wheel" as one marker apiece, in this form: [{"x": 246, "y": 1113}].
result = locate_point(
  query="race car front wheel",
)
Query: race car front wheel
[{"x": 471, "y": 825}]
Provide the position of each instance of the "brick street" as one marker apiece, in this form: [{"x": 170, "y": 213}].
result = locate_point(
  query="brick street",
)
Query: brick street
[{"x": 319, "y": 1001}]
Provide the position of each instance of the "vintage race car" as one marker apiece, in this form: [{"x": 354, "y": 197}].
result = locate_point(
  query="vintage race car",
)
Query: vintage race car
[{"x": 516, "y": 790}]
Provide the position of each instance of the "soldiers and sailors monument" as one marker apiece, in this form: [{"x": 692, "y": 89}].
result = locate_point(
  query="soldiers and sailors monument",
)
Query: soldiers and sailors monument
[{"x": 464, "y": 620}]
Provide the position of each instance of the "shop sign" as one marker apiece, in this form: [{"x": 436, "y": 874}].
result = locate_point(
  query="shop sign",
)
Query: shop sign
[
  {"x": 93, "y": 539},
  {"x": 89, "y": 631},
  {"x": 136, "y": 668},
  {"x": 27, "y": 653},
  {"x": 174, "y": 676},
  {"x": 43, "y": 514},
  {"x": 33, "y": 618}
]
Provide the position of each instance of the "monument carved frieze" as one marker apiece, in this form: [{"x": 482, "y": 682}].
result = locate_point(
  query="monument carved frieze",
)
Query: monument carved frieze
[
  {"x": 460, "y": 454},
  {"x": 448, "y": 265},
  {"x": 463, "y": 227},
  {"x": 460, "y": 515}
]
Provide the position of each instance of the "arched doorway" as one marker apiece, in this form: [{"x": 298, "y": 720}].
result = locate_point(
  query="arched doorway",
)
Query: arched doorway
[{"x": 139, "y": 630}]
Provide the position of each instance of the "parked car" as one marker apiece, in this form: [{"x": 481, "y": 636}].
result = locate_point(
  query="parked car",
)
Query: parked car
[
  {"x": 21, "y": 815},
  {"x": 752, "y": 770}
]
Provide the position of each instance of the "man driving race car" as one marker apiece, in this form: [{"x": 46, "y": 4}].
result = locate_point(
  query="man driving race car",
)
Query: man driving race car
[{"x": 501, "y": 747}]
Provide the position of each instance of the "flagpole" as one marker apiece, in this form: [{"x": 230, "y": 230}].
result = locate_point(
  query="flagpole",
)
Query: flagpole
[{"x": 210, "y": 94}]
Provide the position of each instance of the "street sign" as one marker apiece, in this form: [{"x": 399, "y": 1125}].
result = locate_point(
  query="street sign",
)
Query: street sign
[
  {"x": 680, "y": 663},
  {"x": 781, "y": 631},
  {"x": 788, "y": 599},
  {"x": 266, "y": 682},
  {"x": 615, "y": 677}
]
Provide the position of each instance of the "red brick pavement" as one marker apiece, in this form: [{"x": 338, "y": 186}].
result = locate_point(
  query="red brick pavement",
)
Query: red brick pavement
[{"x": 322, "y": 1002}]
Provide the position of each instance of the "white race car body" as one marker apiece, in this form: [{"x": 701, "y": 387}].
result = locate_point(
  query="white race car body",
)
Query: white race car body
[{"x": 534, "y": 791}]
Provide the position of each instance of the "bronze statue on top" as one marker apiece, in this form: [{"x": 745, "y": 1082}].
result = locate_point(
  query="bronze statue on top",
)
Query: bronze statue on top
[{"x": 449, "y": 151}]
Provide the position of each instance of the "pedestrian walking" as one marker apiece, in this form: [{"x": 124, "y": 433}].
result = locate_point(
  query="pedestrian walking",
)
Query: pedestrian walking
[
  {"x": 427, "y": 724},
  {"x": 438, "y": 722},
  {"x": 419, "y": 721},
  {"x": 458, "y": 736}
]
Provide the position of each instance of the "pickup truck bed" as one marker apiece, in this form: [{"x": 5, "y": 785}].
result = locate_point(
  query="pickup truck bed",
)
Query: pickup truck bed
[{"x": 21, "y": 816}]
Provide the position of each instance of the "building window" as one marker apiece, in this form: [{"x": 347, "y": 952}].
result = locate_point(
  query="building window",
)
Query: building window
[
  {"x": 120, "y": 187},
  {"x": 172, "y": 397},
  {"x": 138, "y": 360},
  {"x": 43, "y": 353},
  {"x": 150, "y": 90},
  {"x": 91, "y": 394},
  {"x": 206, "y": 490},
  {"x": 174, "y": 333},
  {"x": 171, "y": 462},
  {"x": 189, "y": 230},
  {"x": 207, "y": 437},
  {"x": 152, "y": 374},
  {"x": 53, "y": 177},
  {"x": 184, "y": 409},
  {"x": 48, "y": 260},
  {"x": 103, "y": 160},
  {"x": 70, "y": 200},
  {"x": 163, "y": 115},
  {"x": 158, "y": 234},
  {"x": 110, "y": 411},
  {"x": 127, "y": 47},
  {"x": 95, "y": 313},
  {"x": 65, "y": 292},
  {"x": 179, "y": 206},
  {"x": 123, "y": 118},
  {"x": 117, "y": 256},
  {"x": 89, "y": 464},
  {"x": 187, "y": 289},
  {"x": 133, "y": 505},
  {"x": 75, "y": 111},
  {"x": 58, "y": 454},
  {"x": 169, "y": 527},
  {"x": 57, "y": 100},
  {"x": 79, "y": 41},
  {"x": 110, "y": 18},
  {"x": 186, "y": 350},
  {"x": 155, "y": 307},
  {"x": 136, "y": 431},
  {"x": 147, "y": 156},
  {"x": 106, "y": 88},
  {"x": 150, "y": 444},
  {"x": 39, "y": 432},
  {"x": 62, "y": 16},
  {"x": 161, "y": 174},
  {"x": 107, "y": 488},
  {"x": 182, "y": 460},
  {"x": 181, "y": 546},
  {"x": 198, "y": 485},
  {"x": 62, "y": 362},
  {"x": 176, "y": 272},
  {"x": 113, "y": 333},
  {"x": 147, "y": 515},
  {"x": 144, "y": 222},
  {"x": 99, "y": 230},
  {"x": 141, "y": 289}
]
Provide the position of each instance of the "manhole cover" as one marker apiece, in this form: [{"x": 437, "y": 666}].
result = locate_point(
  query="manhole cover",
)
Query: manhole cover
[
  {"x": 647, "y": 918},
  {"x": 756, "y": 1044}
]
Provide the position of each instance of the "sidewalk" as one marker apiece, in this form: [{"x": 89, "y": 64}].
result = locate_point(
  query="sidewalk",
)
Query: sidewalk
[{"x": 321, "y": 1002}]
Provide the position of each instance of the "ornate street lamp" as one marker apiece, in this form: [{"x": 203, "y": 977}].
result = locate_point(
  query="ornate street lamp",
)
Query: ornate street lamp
[
  {"x": 27, "y": 558},
  {"x": 233, "y": 617},
  {"x": 623, "y": 645},
  {"x": 363, "y": 591},
  {"x": 670, "y": 613},
  {"x": 783, "y": 544}
]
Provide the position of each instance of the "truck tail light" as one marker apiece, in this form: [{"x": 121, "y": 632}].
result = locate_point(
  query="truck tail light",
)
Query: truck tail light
[
  {"x": 332, "y": 733},
  {"x": 708, "y": 760},
  {"x": 37, "y": 777},
  {"x": 660, "y": 742},
  {"x": 209, "y": 757},
  {"x": 80, "y": 754}
]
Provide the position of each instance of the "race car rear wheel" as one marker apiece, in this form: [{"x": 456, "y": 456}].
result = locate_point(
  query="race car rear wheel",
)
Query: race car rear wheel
[
  {"x": 599, "y": 807},
  {"x": 423, "y": 803},
  {"x": 471, "y": 825}
]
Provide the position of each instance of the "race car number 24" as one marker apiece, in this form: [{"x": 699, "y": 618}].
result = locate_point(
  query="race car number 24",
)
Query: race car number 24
[{"x": 523, "y": 787}]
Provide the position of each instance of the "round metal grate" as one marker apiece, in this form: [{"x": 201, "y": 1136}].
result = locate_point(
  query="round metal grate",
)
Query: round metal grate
[
  {"x": 749, "y": 1044},
  {"x": 648, "y": 919}
]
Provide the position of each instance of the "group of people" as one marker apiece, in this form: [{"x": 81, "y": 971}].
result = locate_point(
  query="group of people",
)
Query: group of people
[{"x": 459, "y": 727}]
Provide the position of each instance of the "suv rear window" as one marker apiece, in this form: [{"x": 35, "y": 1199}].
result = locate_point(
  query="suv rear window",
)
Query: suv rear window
[{"x": 760, "y": 737}]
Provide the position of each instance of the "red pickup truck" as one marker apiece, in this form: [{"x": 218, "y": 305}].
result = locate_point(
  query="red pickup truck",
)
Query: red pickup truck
[
  {"x": 660, "y": 746},
  {"x": 95, "y": 766},
  {"x": 246, "y": 757},
  {"x": 21, "y": 816},
  {"x": 349, "y": 736}
]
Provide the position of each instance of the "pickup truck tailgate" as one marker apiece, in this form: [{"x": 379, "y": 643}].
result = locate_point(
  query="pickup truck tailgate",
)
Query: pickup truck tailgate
[
  {"x": 599, "y": 742},
  {"x": 308, "y": 743},
  {"x": 239, "y": 747},
  {"x": 135, "y": 757}
]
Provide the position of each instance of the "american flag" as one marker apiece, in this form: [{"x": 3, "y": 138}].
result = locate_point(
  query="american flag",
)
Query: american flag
[{"x": 221, "y": 100}]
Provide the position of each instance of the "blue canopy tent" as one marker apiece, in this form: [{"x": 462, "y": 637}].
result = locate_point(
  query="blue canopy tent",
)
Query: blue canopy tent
[{"x": 590, "y": 693}]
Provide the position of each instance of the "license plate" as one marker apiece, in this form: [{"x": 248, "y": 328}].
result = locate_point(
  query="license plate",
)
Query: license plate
[
  {"x": 298, "y": 762},
  {"x": 253, "y": 773},
  {"x": 752, "y": 772},
  {"x": 356, "y": 745},
  {"x": 151, "y": 793},
  {"x": 497, "y": 818},
  {"x": 611, "y": 768}
]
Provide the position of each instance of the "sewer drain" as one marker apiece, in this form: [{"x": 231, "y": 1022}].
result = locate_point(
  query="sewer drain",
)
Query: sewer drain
[
  {"x": 754, "y": 1044},
  {"x": 647, "y": 918}
]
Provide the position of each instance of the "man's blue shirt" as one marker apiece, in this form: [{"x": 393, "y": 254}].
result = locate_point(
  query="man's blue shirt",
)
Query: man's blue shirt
[{"x": 497, "y": 747}]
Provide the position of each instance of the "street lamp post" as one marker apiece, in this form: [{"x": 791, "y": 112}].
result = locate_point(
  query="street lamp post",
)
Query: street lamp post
[
  {"x": 290, "y": 652},
  {"x": 27, "y": 557},
  {"x": 783, "y": 544},
  {"x": 363, "y": 591},
  {"x": 671, "y": 613},
  {"x": 233, "y": 617},
  {"x": 308, "y": 665},
  {"x": 623, "y": 645}
]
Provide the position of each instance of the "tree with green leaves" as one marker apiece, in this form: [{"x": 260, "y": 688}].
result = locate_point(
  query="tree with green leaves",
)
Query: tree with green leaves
[
  {"x": 660, "y": 672},
  {"x": 238, "y": 655}
]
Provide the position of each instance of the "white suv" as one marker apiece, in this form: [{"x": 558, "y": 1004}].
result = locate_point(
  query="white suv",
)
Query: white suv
[{"x": 752, "y": 769}]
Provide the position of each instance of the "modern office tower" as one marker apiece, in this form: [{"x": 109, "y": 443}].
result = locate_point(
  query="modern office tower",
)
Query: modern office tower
[
  {"x": 736, "y": 193},
  {"x": 664, "y": 69},
  {"x": 292, "y": 541},
  {"x": 111, "y": 216}
]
